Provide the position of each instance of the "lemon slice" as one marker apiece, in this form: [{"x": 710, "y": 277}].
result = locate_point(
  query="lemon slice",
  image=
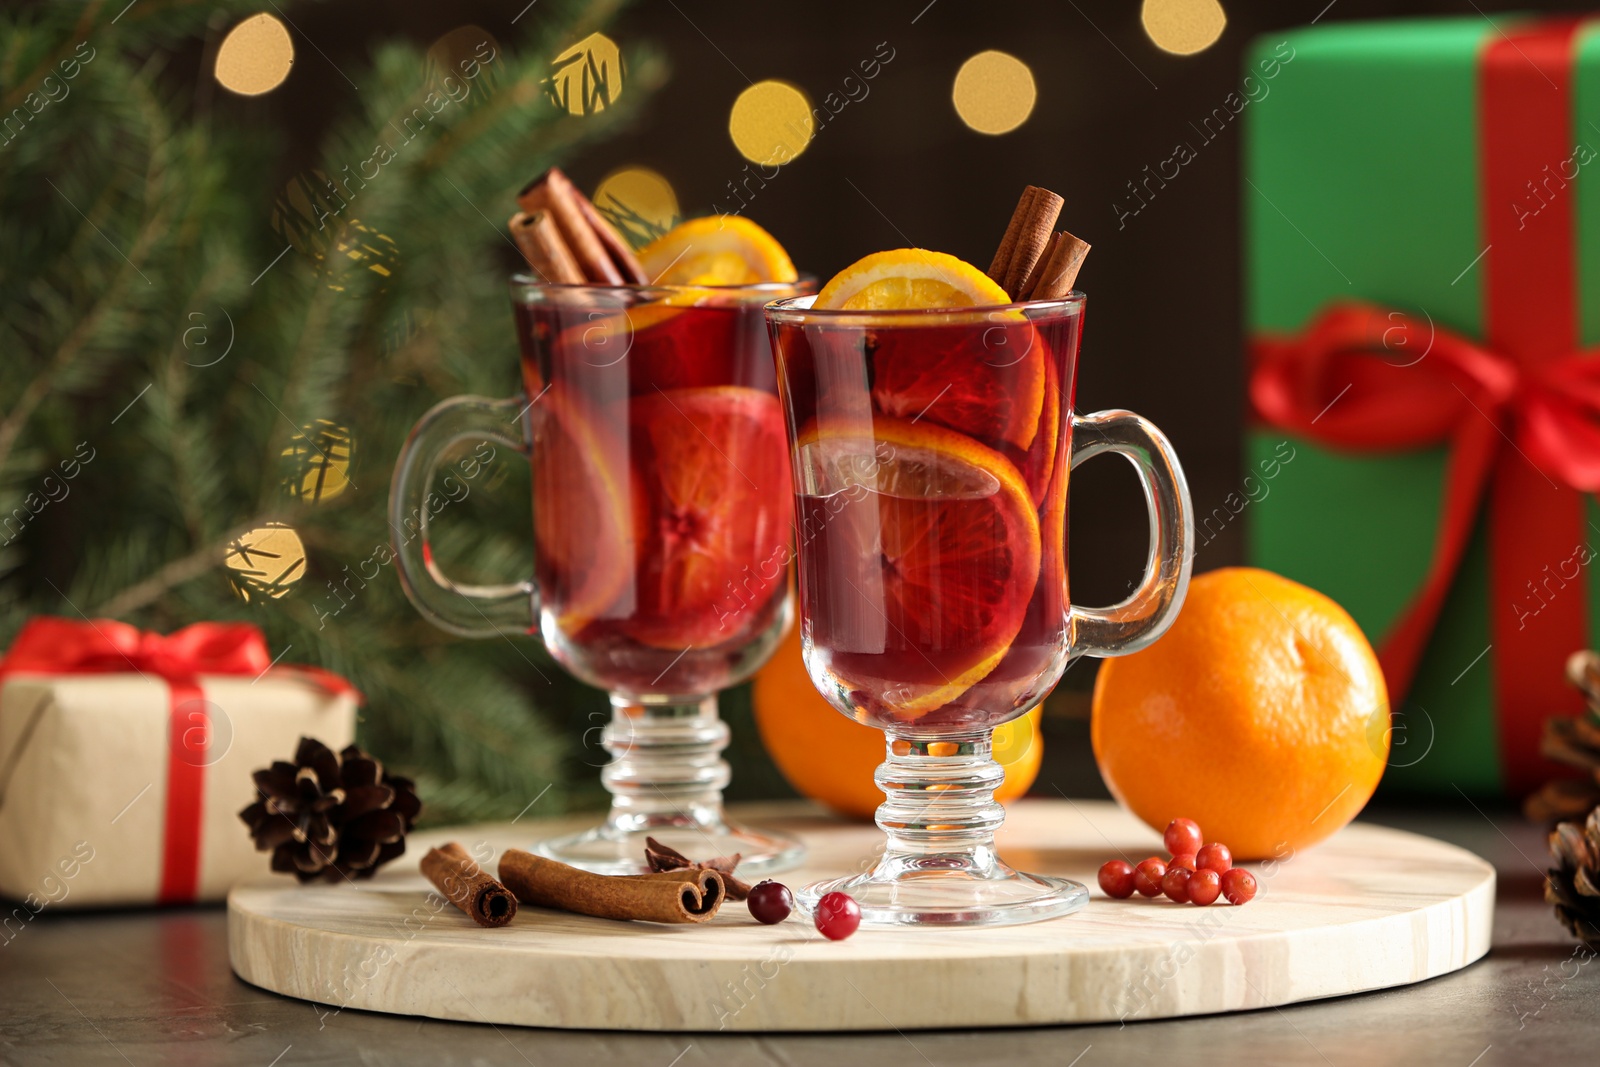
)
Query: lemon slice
[
  {"x": 716, "y": 250},
  {"x": 907, "y": 278}
]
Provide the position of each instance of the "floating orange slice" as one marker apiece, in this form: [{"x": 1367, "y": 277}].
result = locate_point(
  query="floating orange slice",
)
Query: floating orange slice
[
  {"x": 1037, "y": 460},
  {"x": 716, "y": 250},
  {"x": 920, "y": 572},
  {"x": 986, "y": 380},
  {"x": 906, "y": 278},
  {"x": 583, "y": 513},
  {"x": 714, "y": 534}
]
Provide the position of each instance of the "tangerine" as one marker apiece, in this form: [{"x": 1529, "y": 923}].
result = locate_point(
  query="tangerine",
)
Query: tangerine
[{"x": 1262, "y": 715}]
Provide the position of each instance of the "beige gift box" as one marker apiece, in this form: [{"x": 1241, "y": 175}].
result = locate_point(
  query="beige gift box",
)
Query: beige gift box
[{"x": 83, "y": 780}]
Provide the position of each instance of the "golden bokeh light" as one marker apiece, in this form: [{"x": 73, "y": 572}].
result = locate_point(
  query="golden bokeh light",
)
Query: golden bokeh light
[
  {"x": 1183, "y": 27},
  {"x": 318, "y": 460},
  {"x": 638, "y": 200},
  {"x": 266, "y": 561},
  {"x": 255, "y": 57},
  {"x": 771, "y": 122},
  {"x": 587, "y": 77},
  {"x": 994, "y": 92},
  {"x": 376, "y": 251}
]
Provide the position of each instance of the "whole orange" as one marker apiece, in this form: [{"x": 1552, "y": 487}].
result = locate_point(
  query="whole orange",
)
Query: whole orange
[
  {"x": 1262, "y": 715},
  {"x": 830, "y": 758}
]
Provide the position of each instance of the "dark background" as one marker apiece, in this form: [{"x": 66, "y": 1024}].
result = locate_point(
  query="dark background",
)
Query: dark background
[
  {"x": 899, "y": 167},
  {"x": 1163, "y": 334}
]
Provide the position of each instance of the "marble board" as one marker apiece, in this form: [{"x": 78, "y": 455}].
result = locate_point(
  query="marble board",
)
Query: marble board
[{"x": 1369, "y": 909}]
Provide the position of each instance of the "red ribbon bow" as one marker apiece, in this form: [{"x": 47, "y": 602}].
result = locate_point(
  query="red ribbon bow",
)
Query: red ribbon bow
[
  {"x": 102, "y": 646},
  {"x": 62, "y": 646},
  {"x": 1365, "y": 378}
]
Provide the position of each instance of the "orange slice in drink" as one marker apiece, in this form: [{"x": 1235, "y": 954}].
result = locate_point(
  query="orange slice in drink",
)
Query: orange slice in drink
[
  {"x": 716, "y": 250},
  {"x": 920, "y": 562},
  {"x": 714, "y": 532},
  {"x": 986, "y": 381},
  {"x": 981, "y": 377},
  {"x": 906, "y": 278},
  {"x": 583, "y": 511},
  {"x": 1037, "y": 461}
]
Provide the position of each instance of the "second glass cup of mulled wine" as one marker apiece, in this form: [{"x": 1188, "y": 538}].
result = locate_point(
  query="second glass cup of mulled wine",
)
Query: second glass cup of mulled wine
[{"x": 931, "y": 451}]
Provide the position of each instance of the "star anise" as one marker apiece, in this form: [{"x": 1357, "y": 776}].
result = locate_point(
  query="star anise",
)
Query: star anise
[{"x": 666, "y": 858}]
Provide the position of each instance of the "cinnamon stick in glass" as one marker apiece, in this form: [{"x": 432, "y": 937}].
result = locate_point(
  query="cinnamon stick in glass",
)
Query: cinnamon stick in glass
[
  {"x": 616, "y": 245},
  {"x": 457, "y": 876},
  {"x": 1025, "y": 240},
  {"x": 693, "y": 897},
  {"x": 1058, "y": 268},
  {"x": 554, "y": 192},
  {"x": 540, "y": 243}
]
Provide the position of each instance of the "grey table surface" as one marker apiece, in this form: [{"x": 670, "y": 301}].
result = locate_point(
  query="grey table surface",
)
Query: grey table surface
[{"x": 153, "y": 987}]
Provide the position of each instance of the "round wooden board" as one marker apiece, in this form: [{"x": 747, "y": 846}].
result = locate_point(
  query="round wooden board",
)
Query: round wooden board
[{"x": 1369, "y": 909}]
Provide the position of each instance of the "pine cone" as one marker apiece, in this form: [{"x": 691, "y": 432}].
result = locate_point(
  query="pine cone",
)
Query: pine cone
[
  {"x": 331, "y": 816},
  {"x": 1575, "y": 742},
  {"x": 1574, "y": 883}
]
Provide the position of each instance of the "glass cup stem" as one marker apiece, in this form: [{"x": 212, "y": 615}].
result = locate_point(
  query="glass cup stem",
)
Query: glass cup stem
[
  {"x": 666, "y": 764},
  {"x": 940, "y": 866},
  {"x": 666, "y": 778},
  {"x": 939, "y": 798}
]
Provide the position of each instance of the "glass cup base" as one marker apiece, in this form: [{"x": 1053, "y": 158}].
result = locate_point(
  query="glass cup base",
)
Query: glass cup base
[
  {"x": 950, "y": 891},
  {"x": 612, "y": 849}
]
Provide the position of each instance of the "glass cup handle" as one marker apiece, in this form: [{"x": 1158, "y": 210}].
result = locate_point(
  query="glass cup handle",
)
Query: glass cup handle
[
  {"x": 468, "y": 610},
  {"x": 1146, "y": 614}
]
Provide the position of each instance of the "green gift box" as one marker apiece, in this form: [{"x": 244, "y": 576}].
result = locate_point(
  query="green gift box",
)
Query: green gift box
[{"x": 1422, "y": 249}]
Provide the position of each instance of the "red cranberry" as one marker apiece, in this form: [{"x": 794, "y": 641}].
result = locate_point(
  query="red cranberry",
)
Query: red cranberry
[
  {"x": 1239, "y": 886},
  {"x": 1182, "y": 859},
  {"x": 770, "y": 902},
  {"x": 1214, "y": 857},
  {"x": 1176, "y": 884},
  {"x": 838, "y": 915},
  {"x": 1183, "y": 837},
  {"x": 1147, "y": 877},
  {"x": 1204, "y": 886},
  {"x": 1116, "y": 878}
]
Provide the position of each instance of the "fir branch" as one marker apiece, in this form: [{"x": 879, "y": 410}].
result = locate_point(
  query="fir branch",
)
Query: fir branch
[
  {"x": 157, "y": 210},
  {"x": 31, "y": 81},
  {"x": 485, "y": 724}
]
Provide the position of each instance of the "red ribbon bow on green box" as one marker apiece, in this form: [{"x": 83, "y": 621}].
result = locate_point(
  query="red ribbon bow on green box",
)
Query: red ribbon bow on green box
[
  {"x": 1520, "y": 412},
  {"x": 103, "y": 646}
]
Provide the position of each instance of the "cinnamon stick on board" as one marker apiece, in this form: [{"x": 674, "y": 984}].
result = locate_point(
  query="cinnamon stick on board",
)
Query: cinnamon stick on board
[
  {"x": 1058, "y": 268},
  {"x": 713, "y": 883},
  {"x": 541, "y": 245},
  {"x": 1025, "y": 239},
  {"x": 554, "y": 192},
  {"x": 545, "y": 883},
  {"x": 664, "y": 859},
  {"x": 468, "y": 886}
]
